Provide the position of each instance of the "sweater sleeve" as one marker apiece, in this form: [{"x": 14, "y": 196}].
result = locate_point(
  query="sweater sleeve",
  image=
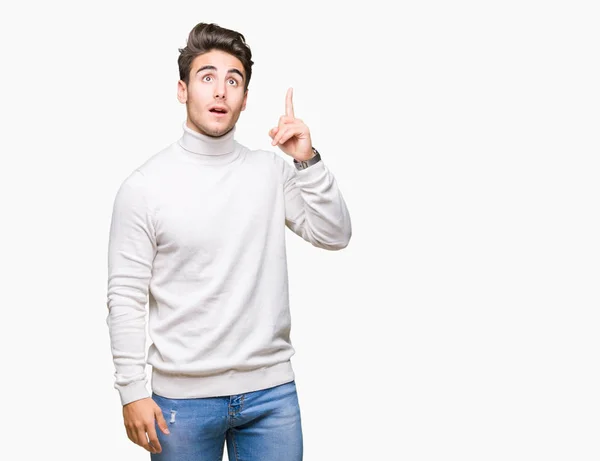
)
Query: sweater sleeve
[
  {"x": 315, "y": 208},
  {"x": 131, "y": 251}
]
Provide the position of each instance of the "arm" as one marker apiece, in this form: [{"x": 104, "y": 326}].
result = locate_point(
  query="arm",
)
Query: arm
[
  {"x": 131, "y": 251},
  {"x": 315, "y": 208}
]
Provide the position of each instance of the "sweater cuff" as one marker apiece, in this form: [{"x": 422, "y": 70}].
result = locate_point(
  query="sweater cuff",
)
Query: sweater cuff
[{"x": 132, "y": 392}]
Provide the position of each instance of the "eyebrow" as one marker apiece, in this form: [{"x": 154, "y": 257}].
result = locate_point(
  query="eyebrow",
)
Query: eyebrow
[{"x": 230, "y": 71}]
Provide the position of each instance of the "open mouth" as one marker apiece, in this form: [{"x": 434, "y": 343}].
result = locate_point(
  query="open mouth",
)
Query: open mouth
[{"x": 218, "y": 112}]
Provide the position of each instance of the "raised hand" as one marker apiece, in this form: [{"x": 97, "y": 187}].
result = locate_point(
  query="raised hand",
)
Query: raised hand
[{"x": 291, "y": 134}]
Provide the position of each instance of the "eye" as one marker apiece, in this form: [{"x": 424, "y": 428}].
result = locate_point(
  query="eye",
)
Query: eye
[
  {"x": 205, "y": 77},
  {"x": 233, "y": 81}
]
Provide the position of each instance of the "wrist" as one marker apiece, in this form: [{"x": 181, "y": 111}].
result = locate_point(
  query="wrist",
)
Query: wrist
[
  {"x": 307, "y": 162},
  {"x": 305, "y": 156}
]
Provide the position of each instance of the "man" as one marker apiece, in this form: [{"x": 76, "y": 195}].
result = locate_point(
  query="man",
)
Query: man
[{"x": 198, "y": 230}]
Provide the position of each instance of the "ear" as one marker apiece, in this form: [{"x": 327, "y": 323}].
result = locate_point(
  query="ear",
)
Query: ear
[
  {"x": 181, "y": 92},
  {"x": 245, "y": 99}
]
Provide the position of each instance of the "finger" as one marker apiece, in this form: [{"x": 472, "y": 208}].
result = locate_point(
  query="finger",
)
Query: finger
[
  {"x": 289, "y": 105},
  {"x": 273, "y": 131},
  {"x": 160, "y": 420},
  {"x": 284, "y": 120},
  {"x": 130, "y": 435},
  {"x": 289, "y": 133},
  {"x": 154, "y": 443},
  {"x": 280, "y": 134},
  {"x": 133, "y": 434},
  {"x": 142, "y": 439},
  {"x": 284, "y": 135}
]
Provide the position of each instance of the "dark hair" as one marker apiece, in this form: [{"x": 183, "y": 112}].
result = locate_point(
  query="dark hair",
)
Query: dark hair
[{"x": 207, "y": 37}]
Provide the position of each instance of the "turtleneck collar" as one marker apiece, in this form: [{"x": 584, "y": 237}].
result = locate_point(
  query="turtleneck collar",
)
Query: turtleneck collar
[{"x": 209, "y": 149}]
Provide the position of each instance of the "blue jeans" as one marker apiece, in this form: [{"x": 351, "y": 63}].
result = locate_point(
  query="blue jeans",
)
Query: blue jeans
[{"x": 262, "y": 425}]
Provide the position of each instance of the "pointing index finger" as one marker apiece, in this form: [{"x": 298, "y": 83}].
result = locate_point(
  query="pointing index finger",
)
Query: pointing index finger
[{"x": 289, "y": 106}]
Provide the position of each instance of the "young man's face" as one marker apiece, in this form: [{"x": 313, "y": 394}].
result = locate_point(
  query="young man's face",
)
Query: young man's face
[{"x": 215, "y": 95}]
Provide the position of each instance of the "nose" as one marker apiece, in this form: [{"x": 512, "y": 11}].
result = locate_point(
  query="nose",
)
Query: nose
[{"x": 220, "y": 90}]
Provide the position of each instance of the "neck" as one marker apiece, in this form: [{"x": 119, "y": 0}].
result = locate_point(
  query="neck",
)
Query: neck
[{"x": 202, "y": 144}]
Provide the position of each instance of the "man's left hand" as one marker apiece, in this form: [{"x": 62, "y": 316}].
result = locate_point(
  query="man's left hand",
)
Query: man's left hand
[{"x": 292, "y": 135}]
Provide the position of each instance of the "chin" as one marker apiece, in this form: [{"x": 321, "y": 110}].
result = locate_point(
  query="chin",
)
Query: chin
[
  {"x": 218, "y": 131},
  {"x": 214, "y": 129}
]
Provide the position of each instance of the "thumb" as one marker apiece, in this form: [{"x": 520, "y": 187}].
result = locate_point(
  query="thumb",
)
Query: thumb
[{"x": 160, "y": 420}]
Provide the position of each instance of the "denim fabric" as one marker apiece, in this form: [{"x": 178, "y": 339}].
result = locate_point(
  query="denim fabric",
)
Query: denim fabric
[{"x": 263, "y": 425}]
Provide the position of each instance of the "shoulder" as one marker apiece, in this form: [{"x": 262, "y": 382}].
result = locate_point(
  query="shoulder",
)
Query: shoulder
[
  {"x": 157, "y": 162},
  {"x": 137, "y": 181},
  {"x": 271, "y": 159}
]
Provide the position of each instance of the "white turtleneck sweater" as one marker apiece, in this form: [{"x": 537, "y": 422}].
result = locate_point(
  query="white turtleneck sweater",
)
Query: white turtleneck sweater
[{"x": 198, "y": 234}]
